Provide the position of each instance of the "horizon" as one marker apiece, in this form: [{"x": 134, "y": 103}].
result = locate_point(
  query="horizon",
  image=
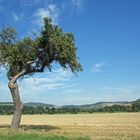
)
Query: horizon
[
  {"x": 107, "y": 37},
  {"x": 75, "y": 104}
]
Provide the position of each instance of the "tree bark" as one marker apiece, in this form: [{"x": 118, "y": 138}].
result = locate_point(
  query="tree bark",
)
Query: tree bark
[
  {"x": 18, "y": 106},
  {"x": 13, "y": 86}
]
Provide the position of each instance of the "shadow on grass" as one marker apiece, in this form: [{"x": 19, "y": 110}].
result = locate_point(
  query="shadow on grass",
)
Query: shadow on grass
[
  {"x": 39, "y": 127},
  {"x": 33, "y": 127}
]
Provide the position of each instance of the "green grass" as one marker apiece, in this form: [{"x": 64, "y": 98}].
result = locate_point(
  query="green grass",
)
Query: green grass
[{"x": 38, "y": 137}]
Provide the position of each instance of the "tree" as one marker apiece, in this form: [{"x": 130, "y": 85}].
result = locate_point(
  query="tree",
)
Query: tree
[
  {"x": 27, "y": 56},
  {"x": 136, "y": 105}
]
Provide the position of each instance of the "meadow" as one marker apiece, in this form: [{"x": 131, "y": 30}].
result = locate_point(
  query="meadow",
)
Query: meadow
[{"x": 99, "y": 126}]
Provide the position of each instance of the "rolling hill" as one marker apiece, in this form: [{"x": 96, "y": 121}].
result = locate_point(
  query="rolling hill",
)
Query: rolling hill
[{"x": 86, "y": 106}]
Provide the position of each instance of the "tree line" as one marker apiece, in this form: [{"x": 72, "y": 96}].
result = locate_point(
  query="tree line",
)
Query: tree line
[{"x": 9, "y": 109}]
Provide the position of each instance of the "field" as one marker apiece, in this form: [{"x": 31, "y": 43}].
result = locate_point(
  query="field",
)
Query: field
[{"x": 106, "y": 126}]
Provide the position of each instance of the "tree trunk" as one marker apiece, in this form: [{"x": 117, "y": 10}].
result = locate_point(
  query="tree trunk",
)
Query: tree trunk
[{"x": 18, "y": 105}]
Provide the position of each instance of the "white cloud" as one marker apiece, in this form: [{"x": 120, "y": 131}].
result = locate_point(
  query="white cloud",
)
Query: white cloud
[
  {"x": 51, "y": 11},
  {"x": 4, "y": 92},
  {"x": 70, "y": 86},
  {"x": 2, "y": 72},
  {"x": 77, "y": 3},
  {"x": 15, "y": 16},
  {"x": 29, "y": 2},
  {"x": 73, "y": 91},
  {"x": 52, "y": 81},
  {"x": 117, "y": 92},
  {"x": 98, "y": 67},
  {"x": 38, "y": 87},
  {"x": 41, "y": 85}
]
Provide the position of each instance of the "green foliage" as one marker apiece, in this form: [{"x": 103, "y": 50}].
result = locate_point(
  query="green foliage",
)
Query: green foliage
[
  {"x": 51, "y": 45},
  {"x": 116, "y": 108},
  {"x": 8, "y": 109},
  {"x": 136, "y": 105}
]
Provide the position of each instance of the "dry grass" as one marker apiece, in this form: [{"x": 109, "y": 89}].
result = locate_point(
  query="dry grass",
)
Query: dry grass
[{"x": 108, "y": 126}]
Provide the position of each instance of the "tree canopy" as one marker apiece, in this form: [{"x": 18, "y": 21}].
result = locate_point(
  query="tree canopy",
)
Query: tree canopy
[{"x": 29, "y": 55}]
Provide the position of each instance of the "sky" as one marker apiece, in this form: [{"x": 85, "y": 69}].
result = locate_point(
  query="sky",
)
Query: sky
[{"x": 107, "y": 35}]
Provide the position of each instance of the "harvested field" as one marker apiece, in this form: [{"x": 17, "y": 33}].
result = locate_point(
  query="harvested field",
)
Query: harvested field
[{"x": 106, "y": 126}]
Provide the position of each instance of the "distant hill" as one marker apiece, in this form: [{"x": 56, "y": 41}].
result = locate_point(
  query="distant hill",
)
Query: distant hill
[
  {"x": 97, "y": 105},
  {"x": 37, "y": 104},
  {"x": 6, "y": 103},
  {"x": 87, "y": 106}
]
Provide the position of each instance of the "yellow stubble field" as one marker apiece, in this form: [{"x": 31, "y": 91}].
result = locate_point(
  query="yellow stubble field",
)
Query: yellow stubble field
[{"x": 103, "y": 126}]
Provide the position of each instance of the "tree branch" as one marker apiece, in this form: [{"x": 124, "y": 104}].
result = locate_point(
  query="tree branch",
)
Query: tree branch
[
  {"x": 28, "y": 66},
  {"x": 2, "y": 37},
  {"x": 14, "y": 79},
  {"x": 28, "y": 69}
]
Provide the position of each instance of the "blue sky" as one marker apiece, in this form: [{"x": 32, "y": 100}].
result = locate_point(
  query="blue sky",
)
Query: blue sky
[{"x": 107, "y": 34}]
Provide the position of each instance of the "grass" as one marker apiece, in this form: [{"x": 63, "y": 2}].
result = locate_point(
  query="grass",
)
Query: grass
[
  {"x": 107, "y": 126},
  {"x": 25, "y": 136}
]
